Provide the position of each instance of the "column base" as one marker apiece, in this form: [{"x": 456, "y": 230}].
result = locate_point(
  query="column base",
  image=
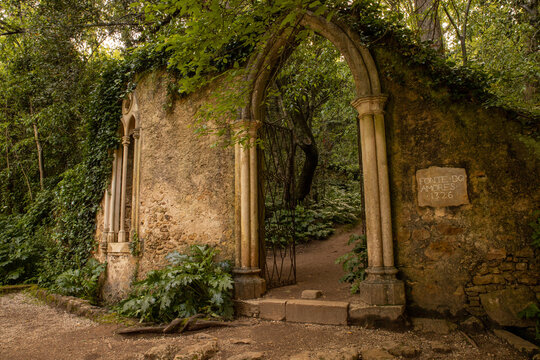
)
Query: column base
[
  {"x": 111, "y": 237},
  {"x": 382, "y": 288},
  {"x": 122, "y": 234},
  {"x": 248, "y": 284}
]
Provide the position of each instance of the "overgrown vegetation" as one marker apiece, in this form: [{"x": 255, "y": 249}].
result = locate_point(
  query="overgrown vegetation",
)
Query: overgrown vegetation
[
  {"x": 192, "y": 284},
  {"x": 61, "y": 90},
  {"x": 354, "y": 262},
  {"x": 82, "y": 282},
  {"x": 314, "y": 220}
]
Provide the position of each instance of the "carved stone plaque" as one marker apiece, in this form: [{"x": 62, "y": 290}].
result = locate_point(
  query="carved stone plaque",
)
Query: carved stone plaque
[{"x": 441, "y": 187}]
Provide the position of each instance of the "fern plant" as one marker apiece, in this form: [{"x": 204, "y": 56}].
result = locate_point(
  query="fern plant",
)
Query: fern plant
[
  {"x": 192, "y": 284},
  {"x": 354, "y": 262}
]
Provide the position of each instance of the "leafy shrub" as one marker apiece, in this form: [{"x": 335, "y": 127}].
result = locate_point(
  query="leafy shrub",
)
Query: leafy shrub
[
  {"x": 82, "y": 282},
  {"x": 314, "y": 221},
  {"x": 355, "y": 262},
  {"x": 22, "y": 241},
  {"x": 192, "y": 284}
]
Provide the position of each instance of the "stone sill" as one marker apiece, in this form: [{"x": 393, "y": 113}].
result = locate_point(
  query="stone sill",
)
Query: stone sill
[{"x": 118, "y": 248}]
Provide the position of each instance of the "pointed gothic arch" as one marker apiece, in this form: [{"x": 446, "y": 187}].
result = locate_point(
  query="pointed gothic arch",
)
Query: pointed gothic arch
[
  {"x": 381, "y": 286},
  {"x": 122, "y": 196}
]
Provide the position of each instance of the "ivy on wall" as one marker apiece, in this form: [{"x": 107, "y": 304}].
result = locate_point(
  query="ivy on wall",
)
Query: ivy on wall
[{"x": 56, "y": 234}]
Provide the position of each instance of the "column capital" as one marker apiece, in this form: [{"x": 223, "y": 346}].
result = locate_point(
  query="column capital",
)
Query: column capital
[
  {"x": 370, "y": 105},
  {"x": 136, "y": 133},
  {"x": 125, "y": 140}
]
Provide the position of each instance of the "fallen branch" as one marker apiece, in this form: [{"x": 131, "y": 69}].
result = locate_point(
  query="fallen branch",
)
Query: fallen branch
[
  {"x": 469, "y": 339},
  {"x": 178, "y": 325}
]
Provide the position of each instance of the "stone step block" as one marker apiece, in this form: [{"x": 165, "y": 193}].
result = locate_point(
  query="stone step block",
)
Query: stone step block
[
  {"x": 272, "y": 309},
  {"x": 311, "y": 294},
  {"x": 317, "y": 312},
  {"x": 376, "y": 316}
]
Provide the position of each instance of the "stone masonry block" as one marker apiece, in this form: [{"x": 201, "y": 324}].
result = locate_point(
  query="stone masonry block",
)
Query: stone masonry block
[
  {"x": 311, "y": 294},
  {"x": 272, "y": 309},
  {"x": 367, "y": 314},
  {"x": 248, "y": 308},
  {"x": 318, "y": 312}
]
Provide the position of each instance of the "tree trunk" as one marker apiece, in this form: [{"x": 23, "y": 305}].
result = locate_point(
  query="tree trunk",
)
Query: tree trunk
[
  {"x": 429, "y": 25},
  {"x": 531, "y": 8},
  {"x": 7, "y": 150},
  {"x": 39, "y": 149},
  {"x": 306, "y": 141}
]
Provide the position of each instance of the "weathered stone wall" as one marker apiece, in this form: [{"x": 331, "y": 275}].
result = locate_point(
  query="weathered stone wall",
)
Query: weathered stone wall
[
  {"x": 449, "y": 256},
  {"x": 187, "y": 186}
]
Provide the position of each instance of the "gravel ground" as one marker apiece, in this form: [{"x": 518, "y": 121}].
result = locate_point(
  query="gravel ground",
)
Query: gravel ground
[{"x": 32, "y": 330}]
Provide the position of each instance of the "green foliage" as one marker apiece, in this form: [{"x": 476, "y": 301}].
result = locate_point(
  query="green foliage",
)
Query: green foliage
[
  {"x": 535, "y": 225},
  {"x": 82, "y": 282},
  {"x": 314, "y": 221},
  {"x": 56, "y": 233},
  {"x": 354, "y": 262},
  {"x": 532, "y": 312},
  {"x": 221, "y": 34},
  {"x": 135, "y": 245},
  {"x": 192, "y": 284},
  {"x": 22, "y": 242}
]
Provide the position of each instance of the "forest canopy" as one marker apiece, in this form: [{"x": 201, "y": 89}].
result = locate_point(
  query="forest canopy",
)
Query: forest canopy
[{"x": 66, "y": 64}]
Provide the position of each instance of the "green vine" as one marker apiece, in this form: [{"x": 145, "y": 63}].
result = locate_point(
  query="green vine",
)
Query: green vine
[{"x": 56, "y": 234}]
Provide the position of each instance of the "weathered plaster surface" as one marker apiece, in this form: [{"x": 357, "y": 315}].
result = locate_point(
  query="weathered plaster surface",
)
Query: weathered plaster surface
[
  {"x": 187, "y": 186},
  {"x": 448, "y": 256}
]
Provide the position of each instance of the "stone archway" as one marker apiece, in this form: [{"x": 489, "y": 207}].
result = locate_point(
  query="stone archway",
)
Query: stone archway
[{"x": 381, "y": 286}]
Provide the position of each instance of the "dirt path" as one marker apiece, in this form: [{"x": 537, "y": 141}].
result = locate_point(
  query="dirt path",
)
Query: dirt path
[
  {"x": 31, "y": 330},
  {"x": 316, "y": 268}
]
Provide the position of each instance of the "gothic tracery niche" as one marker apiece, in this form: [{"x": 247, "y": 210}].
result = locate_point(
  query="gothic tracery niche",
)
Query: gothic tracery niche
[{"x": 121, "y": 197}]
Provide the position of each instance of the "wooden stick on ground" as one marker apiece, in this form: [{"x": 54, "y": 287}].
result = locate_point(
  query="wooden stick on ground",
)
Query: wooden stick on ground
[
  {"x": 469, "y": 339},
  {"x": 178, "y": 325}
]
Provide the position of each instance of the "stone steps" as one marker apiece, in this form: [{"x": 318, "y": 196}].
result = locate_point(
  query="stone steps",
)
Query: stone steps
[{"x": 322, "y": 312}]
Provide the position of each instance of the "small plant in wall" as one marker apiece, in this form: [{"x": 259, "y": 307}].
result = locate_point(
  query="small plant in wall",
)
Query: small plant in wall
[
  {"x": 135, "y": 245},
  {"x": 192, "y": 284},
  {"x": 354, "y": 262},
  {"x": 533, "y": 310}
]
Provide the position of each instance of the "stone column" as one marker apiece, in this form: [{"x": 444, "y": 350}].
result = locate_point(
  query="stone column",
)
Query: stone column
[
  {"x": 122, "y": 231},
  {"x": 135, "y": 193},
  {"x": 381, "y": 286},
  {"x": 245, "y": 228},
  {"x": 111, "y": 234},
  {"x": 384, "y": 192},
  {"x": 106, "y": 227},
  {"x": 371, "y": 195},
  {"x": 237, "y": 212},
  {"x": 247, "y": 281},
  {"x": 254, "y": 198}
]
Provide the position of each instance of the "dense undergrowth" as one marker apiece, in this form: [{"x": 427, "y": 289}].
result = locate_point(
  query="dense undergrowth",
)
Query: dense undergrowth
[
  {"x": 314, "y": 220},
  {"x": 56, "y": 233}
]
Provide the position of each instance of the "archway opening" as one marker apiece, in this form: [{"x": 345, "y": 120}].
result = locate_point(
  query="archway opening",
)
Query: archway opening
[{"x": 311, "y": 174}]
